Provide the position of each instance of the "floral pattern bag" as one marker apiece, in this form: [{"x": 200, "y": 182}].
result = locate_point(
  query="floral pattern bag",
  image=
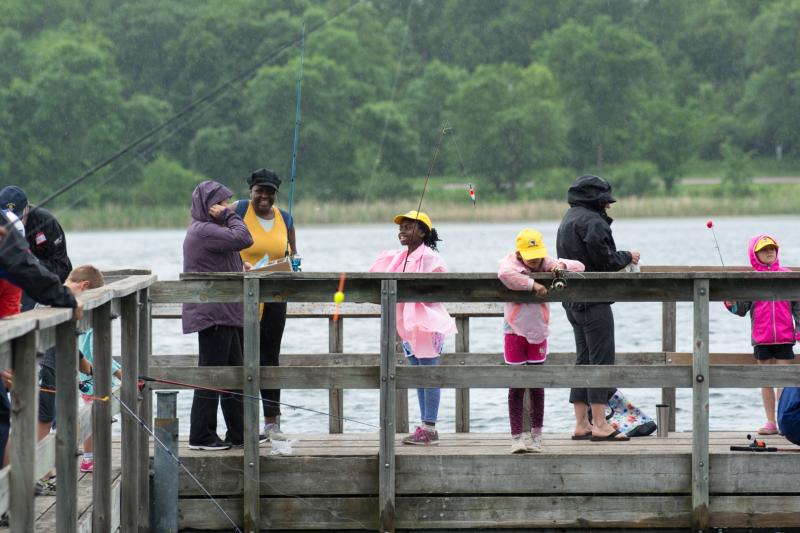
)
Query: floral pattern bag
[{"x": 627, "y": 418}]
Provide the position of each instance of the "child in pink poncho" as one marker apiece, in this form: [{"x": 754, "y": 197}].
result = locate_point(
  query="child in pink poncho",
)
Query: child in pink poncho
[
  {"x": 421, "y": 326},
  {"x": 775, "y": 324},
  {"x": 526, "y": 329}
]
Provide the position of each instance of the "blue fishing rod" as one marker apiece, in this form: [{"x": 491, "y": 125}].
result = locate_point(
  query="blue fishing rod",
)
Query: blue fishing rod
[{"x": 295, "y": 260}]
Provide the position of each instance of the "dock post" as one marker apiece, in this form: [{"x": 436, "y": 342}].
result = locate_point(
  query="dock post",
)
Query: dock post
[
  {"x": 67, "y": 422},
  {"x": 700, "y": 387},
  {"x": 669, "y": 337},
  {"x": 129, "y": 491},
  {"x": 165, "y": 481},
  {"x": 101, "y": 418},
  {"x": 24, "y": 399},
  {"x": 252, "y": 389},
  {"x": 145, "y": 408},
  {"x": 401, "y": 421},
  {"x": 336, "y": 396},
  {"x": 386, "y": 459},
  {"x": 462, "y": 395}
]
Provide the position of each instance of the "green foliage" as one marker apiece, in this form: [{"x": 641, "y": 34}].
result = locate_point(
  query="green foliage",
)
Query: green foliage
[
  {"x": 738, "y": 171},
  {"x": 164, "y": 182},
  {"x": 633, "y": 178}
]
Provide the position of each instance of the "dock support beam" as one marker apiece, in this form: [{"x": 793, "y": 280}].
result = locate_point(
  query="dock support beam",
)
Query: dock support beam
[
  {"x": 24, "y": 401},
  {"x": 101, "y": 419},
  {"x": 252, "y": 389},
  {"x": 336, "y": 396},
  {"x": 386, "y": 459},
  {"x": 669, "y": 337},
  {"x": 165, "y": 482},
  {"x": 145, "y": 408},
  {"x": 129, "y": 519},
  {"x": 462, "y": 395},
  {"x": 67, "y": 434},
  {"x": 700, "y": 387}
]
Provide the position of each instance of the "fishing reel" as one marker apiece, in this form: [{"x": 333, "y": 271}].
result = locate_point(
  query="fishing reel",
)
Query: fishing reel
[
  {"x": 559, "y": 282},
  {"x": 296, "y": 261}
]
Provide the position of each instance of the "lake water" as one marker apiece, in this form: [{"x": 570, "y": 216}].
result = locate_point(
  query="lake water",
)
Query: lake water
[{"x": 476, "y": 248}]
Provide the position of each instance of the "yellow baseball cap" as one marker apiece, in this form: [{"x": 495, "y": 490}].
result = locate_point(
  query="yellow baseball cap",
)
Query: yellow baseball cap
[
  {"x": 415, "y": 215},
  {"x": 763, "y": 242},
  {"x": 530, "y": 244}
]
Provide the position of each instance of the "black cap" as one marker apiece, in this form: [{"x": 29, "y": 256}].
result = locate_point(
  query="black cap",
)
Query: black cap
[
  {"x": 264, "y": 176},
  {"x": 14, "y": 199}
]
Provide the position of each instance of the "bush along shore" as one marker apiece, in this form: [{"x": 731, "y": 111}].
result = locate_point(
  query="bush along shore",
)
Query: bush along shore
[{"x": 309, "y": 213}]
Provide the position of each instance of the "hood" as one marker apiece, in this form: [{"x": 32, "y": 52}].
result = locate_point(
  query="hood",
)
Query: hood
[
  {"x": 758, "y": 265},
  {"x": 206, "y": 194},
  {"x": 591, "y": 192}
]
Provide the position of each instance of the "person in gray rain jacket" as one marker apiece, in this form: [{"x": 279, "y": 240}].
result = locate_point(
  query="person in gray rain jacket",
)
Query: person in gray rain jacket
[{"x": 212, "y": 244}]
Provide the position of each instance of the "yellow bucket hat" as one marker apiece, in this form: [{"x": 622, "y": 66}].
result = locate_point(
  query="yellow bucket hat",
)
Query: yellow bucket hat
[
  {"x": 530, "y": 244},
  {"x": 415, "y": 215},
  {"x": 763, "y": 242}
]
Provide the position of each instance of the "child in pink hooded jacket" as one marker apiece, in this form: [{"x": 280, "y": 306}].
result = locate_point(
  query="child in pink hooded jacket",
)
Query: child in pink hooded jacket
[
  {"x": 526, "y": 327},
  {"x": 421, "y": 325},
  {"x": 774, "y": 324}
]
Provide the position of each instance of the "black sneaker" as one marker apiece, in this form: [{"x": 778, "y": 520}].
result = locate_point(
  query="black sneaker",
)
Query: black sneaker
[
  {"x": 215, "y": 446},
  {"x": 262, "y": 439}
]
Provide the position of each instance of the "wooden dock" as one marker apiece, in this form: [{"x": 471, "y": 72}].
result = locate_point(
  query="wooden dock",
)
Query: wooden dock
[{"x": 371, "y": 481}]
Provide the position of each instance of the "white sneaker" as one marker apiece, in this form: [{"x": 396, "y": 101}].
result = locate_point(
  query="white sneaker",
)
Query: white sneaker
[
  {"x": 533, "y": 443},
  {"x": 273, "y": 432},
  {"x": 518, "y": 445}
]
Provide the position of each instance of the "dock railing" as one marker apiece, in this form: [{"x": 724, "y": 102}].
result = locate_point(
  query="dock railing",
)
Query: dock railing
[
  {"x": 693, "y": 370},
  {"x": 120, "y": 504}
]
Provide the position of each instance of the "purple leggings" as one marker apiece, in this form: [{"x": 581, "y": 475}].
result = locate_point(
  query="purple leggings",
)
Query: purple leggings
[{"x": 515, "y": 401}]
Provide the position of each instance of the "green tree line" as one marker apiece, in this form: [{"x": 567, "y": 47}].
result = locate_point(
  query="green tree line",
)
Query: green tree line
[{"x": 533, "y": 91}]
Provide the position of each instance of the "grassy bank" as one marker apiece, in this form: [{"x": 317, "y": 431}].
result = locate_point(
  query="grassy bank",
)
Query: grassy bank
[{"x": 115, "y": 217}]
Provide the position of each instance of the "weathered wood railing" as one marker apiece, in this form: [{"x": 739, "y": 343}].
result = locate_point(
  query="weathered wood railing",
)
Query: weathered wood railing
[
  {"x": 21, "y": 337},
  {"x": 388, "y": 289}
]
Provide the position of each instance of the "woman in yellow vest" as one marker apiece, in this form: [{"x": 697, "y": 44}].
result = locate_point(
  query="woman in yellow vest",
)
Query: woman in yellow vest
[{"x": 273, "y": 235}]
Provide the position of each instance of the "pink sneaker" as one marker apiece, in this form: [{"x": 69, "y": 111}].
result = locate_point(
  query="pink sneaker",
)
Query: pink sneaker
[
  {"x": 770, "y": 428},
  {"x": 87, "y": 466},
  {"x": 423, "y": 437}
]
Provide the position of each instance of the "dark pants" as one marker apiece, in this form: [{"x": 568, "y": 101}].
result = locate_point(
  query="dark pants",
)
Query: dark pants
[
  {"x": 271, "y": 327},
  {"x": 219, "y": 346},
  {"x": 593, "y": 325},
  {"x": 5, "y": 419}
]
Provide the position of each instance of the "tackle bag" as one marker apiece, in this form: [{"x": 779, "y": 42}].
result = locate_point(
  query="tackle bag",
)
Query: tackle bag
[
  {"x": 627, "y": 418},
  {"x": 789, "y": 414}
]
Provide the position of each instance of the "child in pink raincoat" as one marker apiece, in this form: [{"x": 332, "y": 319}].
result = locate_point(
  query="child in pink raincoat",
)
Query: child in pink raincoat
[
  {"x": 774, "y": 324},
  {"x": 526, "y": 327},
  {"x": 421, "y": 326}
]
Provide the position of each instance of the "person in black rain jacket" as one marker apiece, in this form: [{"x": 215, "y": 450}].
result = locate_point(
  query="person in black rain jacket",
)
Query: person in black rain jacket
[{"x": 585, "y": 235}]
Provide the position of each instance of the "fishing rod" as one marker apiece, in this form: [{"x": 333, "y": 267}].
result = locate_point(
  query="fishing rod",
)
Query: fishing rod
[
  {"x": 445, "y": 130},
  {"x": 177, "y": 460},
  {"x": 296, "y": 261},
  {"x": 471, "y": 189},
  {"x": 252, "y": 397},
  {"x": 213, "y": 96},
  {"x": 710, "y": 225}
]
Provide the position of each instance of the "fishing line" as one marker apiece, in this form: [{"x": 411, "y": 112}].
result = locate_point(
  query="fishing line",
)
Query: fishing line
[
  {"x": 177, "y": 461},
  {"x": 258, "y": 398},
  {"x": 220, "y": 90},
  {"x": 395, "y": 80},
  {"x": 296, "y": 130},
  {"x": 463, "y": 167},
  {"x": 445, "y": 130}
]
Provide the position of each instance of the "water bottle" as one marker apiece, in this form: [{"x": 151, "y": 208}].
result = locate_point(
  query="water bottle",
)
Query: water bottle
[{"x": 296, "y": 260}]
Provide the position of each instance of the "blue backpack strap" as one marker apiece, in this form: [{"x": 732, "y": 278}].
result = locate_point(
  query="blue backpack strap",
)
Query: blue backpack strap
[
  {"x": 241, "y": 207},
  {"x": 287, "y": 219}
]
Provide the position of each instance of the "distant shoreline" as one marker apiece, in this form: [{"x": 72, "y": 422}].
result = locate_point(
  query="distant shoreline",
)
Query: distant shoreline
[{"x": 121, "y": 217}]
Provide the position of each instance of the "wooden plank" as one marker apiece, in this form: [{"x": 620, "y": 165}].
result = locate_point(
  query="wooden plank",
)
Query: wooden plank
[
  {"x": 700, "y": 392},
  {"x": 5, "y": 475},
  {"x": 129, "y": 395},
  {"x": 751, "y": 376},
  {"x": 101, "y": 419},
  {"x": 682, "y": 358},
  {"x": 758, "y": 512},
  {"x": 94, "y": 298},
  {"x": 272, "y": 377},
  {"x": 336, "y": 396},
  {"x": 669, "y": 338},
  {"x": 462, "y": 395},
  {"x": 199, "y": 292},
  {"x": 67, "y": 422},
  {"x": 145, "y": 410},
  {"x": 555, "y": 376},
  {"x": 131, "y": 285},
  {"x": 24, "y": 399},
  {"x": 386, "y": 457},
  {"x": 252, "y": 388},
  {"x": 15, "y": 327},
  {"x": 401, "y": 395}
]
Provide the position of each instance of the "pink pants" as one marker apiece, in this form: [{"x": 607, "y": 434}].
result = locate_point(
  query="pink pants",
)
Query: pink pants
[{"x": 518, "y": 351}]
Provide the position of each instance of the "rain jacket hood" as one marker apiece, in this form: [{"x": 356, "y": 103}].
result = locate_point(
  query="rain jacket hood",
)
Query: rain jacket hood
[
  {"x": 758, "y": 265},
  {"x": 206, "y": 194},
  {"x": 591, "y": 192}
]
